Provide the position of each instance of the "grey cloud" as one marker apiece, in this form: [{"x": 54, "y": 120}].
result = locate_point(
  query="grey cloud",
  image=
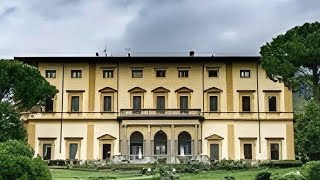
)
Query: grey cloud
[
  {"x": 7, "y": 11},
  {"x": 225, "y": 27}
]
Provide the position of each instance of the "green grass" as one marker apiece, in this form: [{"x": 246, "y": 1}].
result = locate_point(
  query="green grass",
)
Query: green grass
[
  {"x": 238, "y": 174},
  {"x": 78, "y": 174},
  {"x": 218, "y": 174}
]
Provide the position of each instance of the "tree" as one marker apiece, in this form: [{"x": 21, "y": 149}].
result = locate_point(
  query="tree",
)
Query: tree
[
  {"x": 11, "y": 126},
  {"x": 21, "y": 88},
  {"x": 22, "y": 85},
  {"x": 307, "y": 128},
  {"x": 294, "y": 58}
]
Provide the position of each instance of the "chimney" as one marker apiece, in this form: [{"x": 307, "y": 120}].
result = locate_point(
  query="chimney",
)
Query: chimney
[
  {"x": 191, "y": 53},
  {"x": 129, "y": 55},
  {"x": 97, "y": 54}
]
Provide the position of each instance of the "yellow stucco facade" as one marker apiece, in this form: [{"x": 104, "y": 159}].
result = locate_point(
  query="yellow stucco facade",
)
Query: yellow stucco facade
[{"x": 225, "y": 115}]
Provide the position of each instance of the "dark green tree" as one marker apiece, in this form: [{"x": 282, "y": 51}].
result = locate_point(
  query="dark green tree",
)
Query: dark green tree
[
  {"x": 307, "y": 127},
  {"x": 11, "y": 127},
  {"x": 21, "y": 88},
  {"x": 22, "y": 85},
  {"x": 294, "y": 58}
]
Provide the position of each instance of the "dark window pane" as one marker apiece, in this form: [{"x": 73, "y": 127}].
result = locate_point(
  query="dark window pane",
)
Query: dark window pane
[
  {"x": 272, "y": 103},
  {"x": 213, "y": 73},
  {"x": 137, "y": 73},
  {"x": 73, "y": 150},
  {"x": 50, "y": 73},
  {"x": 107, "y": 103},
  {"x": 247, "y": 148},
  {"x": 213, "y": 103},
  {"x": 160, "y": 73},
  {"x": 107, "y": 73},
  {"x": 214, "y": 151},
  {"x": 183, "y": 73},
  {"x": 274, "y": 151},
  {"x": 46, "y": 151},
  {"x": 160, "y": 104},
  {"x": 245, "y": 103},
  {"x": 137, "y": 104},
  {"x": 184, "y": 104},
  {"x": 75, "y": 104},
  {"x": 76, "y": 73},
  {"x": 49, "y": 105},
  {"x": 245, "y": 73}
]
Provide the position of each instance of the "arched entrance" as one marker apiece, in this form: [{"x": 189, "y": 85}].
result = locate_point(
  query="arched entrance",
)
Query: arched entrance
[
  {"x": 184, "y": 143},
  {"x": 160, "y": 143},
  {"x": 136, "y": 145}
]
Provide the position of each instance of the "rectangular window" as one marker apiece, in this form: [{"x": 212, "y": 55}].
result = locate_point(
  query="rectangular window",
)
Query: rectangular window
[
  {"x": 246, "y": 103},
  {"x": 49, "y": 105},
  {"x": 184, "y": 104},
  {"x": 213, "y": 73},
  {"x": 136, "y": 104},
  {"x": 73, "y": 151},
  {"x": 247, "y": 148},
  {"x": 160, "y": 73},
  {"x": 50, "y": 73},
  {"x": 75, "y": 104},
  {"x": 107, "y": 73},
  {"x": 137, "y": 73},
  {"x": 274, "y": 149},
  {"x": 183, "y": 73},
  {"x": 107, "y": 103},
  {"x": 272, "y": 101},
  {"x": 160, "y": 104},
  {"x": 245, "y": 73},
  {"x": 76, "y": 73},
  {"x": 213, "y": 103},
  {"x": 46, "y": 151},
  {"x": 214, "y": 151}
]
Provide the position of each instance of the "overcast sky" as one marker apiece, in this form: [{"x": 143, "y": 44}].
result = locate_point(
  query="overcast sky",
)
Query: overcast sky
[{"x": 83, "y": 27}]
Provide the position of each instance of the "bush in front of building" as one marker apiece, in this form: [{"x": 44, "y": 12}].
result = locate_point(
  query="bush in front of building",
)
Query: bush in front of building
[
  {"x": 231, "y": 164},
  {"x": 312, "y": 170},
  {"x": 263, "y": 175},
  {"x": 16, "y": 162},
  {"x": 294, "y": 175}
]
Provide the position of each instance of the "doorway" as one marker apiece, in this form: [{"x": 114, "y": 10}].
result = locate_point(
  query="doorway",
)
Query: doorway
[{"x": 106, "y": 151}]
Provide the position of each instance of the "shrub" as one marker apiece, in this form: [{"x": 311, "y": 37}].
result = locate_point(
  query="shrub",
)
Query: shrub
[
  {"x": 231, "y": 164},
  {"x": 287, "y": 163},
  {"x": 229, "y": 178},
  {"x": 16, "y": 148},
  {"x": 57, "y": 163},
  {"x": 312, "y": 170},
  {"x": 16, "y": 162},
  {"x": 289, "y": 176},
  {"x": 41, "y": 170},
  {"x": 264, "y": 175}
]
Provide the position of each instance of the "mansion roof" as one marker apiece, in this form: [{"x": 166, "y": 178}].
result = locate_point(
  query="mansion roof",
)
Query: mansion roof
[{"x": 141, "y": 59}]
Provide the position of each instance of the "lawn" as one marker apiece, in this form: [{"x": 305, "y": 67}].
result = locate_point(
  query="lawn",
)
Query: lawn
[
  {"x": 238, "y": 174},
  {"x": 78, "y": 174}
]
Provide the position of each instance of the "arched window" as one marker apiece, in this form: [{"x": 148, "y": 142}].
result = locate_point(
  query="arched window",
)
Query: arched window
[
  {"x": 136, "y": 144},
  {"x": 160, "y": 143},
  {"x": 184, "y": 143}
]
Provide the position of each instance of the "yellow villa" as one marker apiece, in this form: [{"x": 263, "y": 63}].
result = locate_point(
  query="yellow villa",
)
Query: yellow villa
[{"x": 149, "y": 108}]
